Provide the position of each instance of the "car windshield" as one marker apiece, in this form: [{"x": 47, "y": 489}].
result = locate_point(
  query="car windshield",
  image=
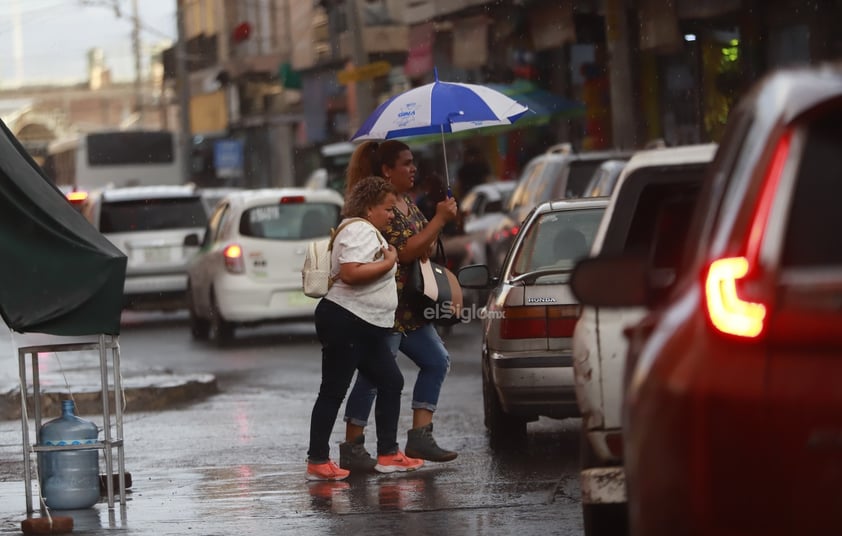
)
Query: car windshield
[
  {"x": 556, "y": 240},
  {"x": 293, "y": 221},
  {"x": 152, "y": 215}
]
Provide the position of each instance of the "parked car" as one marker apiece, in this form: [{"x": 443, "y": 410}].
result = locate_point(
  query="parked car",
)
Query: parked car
[
  {"x": 484, "y": 204},
  {"x": 480, "y": 210},
  {"x": 656, "y": 188},
  {"x": 732, "y": 415},
  {"x": 529, "y": 318},
  {"x": 248, "y": 271},
  {"x": 559, "y": 173},
  {"x": 605, "y": 178},
  {"x": 159, "y": 228}
]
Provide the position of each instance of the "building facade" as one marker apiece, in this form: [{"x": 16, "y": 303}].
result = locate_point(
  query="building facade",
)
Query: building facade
[{"x": 287, "y": 77}]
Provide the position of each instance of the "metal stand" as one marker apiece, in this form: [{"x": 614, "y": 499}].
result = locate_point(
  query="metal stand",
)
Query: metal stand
[{"x": 102, "y": 346}]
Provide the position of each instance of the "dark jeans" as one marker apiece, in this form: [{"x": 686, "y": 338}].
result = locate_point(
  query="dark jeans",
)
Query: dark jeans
[
  {"x": 349, "y": 344},
  {"x": 426, "y": 349}
]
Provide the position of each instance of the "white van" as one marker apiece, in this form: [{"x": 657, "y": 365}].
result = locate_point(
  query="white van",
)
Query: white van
[{"x": 159, "y": 228}]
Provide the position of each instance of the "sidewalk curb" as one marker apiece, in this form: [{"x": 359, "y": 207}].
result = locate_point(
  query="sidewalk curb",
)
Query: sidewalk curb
[{"x": 165, "y": 393}]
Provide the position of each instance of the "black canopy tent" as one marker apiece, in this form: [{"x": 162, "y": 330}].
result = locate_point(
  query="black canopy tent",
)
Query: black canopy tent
[{"x": 58, "y": 275}]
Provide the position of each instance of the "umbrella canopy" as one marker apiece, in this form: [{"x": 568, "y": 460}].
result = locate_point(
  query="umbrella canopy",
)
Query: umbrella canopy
[
  {"x": 59, "y": 275},
  {"x": 439, "y": 107}
]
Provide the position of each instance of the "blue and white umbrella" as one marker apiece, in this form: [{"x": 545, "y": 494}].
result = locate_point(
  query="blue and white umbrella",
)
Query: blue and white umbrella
[{"x": 440, "y": 107}]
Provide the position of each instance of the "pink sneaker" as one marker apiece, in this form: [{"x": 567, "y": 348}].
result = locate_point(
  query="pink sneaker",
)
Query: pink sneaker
[
  {"x": 326, "y": 471},
  {"x": 397, "y": 462}
]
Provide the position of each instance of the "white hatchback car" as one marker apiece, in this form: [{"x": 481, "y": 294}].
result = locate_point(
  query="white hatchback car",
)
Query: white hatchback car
[
  {"x": 248, "y": 270},
  {"x": 159, "y": 228}
]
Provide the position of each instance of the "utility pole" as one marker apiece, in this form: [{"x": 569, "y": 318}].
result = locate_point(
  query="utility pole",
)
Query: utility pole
[
  {"x": 623, "y": 109},
  {"x": 138, "y": 83},
  {"x": 359, "y": 57},
  {"x": 183, "y": 84}
]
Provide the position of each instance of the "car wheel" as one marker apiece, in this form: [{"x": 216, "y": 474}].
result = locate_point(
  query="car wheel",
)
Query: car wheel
[
  {"x": 221, "y": 331},
  {"x": 502, "y": 427},
  {"x": 199, "y": 327},
  {"x": 600, "y": 519}
]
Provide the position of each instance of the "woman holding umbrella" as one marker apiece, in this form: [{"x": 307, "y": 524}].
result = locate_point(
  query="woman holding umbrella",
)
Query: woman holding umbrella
[{"x": 413, "y": 236}]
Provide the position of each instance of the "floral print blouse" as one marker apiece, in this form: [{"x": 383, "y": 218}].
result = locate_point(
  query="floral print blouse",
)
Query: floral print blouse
[{"x": 399, "y": 231}]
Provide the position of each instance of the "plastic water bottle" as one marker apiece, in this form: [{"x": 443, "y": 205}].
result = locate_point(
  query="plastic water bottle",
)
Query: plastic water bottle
[{"x": 69, "y": 478}]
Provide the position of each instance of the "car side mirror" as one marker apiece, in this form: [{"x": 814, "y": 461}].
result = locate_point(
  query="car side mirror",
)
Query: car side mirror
[
  {"x": 610, "y": 282},
  {"x": 191, "y": 240},
  {"x": 474, "y": 276}
]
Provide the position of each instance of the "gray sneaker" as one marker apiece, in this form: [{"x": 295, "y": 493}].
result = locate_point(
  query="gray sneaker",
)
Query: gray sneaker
[
  {"x": 421, "y": 444},
  {"x": 354, "y": 457}
]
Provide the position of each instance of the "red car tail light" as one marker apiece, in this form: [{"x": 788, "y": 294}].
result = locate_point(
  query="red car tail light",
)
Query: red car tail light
[
  {"x": 531, "y": 322},
  {"x": 524, "y": 322},
  {"x": 729, "y": 312},
  {"x": 233, "y": 256},
  {"x": 561, "y": 320},
  {"x": 289, "y": 199}
]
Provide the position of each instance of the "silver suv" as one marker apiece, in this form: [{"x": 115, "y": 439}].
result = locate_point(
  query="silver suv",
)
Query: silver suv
[
  {"x": 159, "y": 228},
  {"x": 559, "y": 173}
]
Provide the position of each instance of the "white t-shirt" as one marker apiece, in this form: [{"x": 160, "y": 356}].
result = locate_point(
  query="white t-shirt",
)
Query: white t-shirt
[{"x": 374, "y": 302}]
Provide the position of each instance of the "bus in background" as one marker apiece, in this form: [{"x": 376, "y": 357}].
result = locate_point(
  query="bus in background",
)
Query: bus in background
[{"x": 118, "y": 158}]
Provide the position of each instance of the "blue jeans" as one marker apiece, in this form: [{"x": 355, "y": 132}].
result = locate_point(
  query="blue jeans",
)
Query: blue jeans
[
  {"x": 348, "y": 344},
  {"x": 426, "y": 349}
]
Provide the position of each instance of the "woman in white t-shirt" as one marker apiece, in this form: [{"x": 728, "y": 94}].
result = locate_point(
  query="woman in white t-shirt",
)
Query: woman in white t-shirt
[{"x": 354, "y": 322}]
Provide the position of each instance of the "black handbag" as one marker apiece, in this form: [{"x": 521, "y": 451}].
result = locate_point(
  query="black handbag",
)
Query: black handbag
[{"x": 435, "y": 290}]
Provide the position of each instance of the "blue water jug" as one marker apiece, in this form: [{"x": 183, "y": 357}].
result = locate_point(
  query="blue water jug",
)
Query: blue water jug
[{"x": 69, "y": 478}]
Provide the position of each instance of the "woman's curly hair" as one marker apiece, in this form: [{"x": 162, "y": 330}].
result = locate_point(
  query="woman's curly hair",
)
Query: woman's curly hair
[
  {"x": 366, "y": 193},
  {"x": 369, "y": 158}
]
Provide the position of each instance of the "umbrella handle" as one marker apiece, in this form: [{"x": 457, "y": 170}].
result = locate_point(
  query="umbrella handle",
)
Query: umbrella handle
[{"x": 446, "y": 170}]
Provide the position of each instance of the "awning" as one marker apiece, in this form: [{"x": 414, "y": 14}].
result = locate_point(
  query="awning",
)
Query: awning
[{"x": 543, "y": 105}]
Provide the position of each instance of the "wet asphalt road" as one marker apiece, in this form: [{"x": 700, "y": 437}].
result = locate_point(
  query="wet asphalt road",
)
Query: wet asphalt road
[{"x": 233, "y": 463}]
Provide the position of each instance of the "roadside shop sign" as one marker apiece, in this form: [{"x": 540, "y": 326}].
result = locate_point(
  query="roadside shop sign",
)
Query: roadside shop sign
[{"x": 364, "y": 72}]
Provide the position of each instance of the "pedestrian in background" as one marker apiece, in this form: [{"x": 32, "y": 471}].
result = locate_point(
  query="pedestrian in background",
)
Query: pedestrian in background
[
  {"x": 432, "y": 191},
  {"x": 354, "y": 322},
  {"x": 412, "y": 235},
  {"x": 473, "y": 171}
]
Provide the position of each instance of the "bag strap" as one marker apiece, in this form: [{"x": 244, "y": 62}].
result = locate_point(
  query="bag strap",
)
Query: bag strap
[
  {"x": 335, "y": 232},
  {"x": 440, "y": 255}
]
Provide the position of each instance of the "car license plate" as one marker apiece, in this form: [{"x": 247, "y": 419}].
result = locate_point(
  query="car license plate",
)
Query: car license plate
[{"x": 161, "y": 254}]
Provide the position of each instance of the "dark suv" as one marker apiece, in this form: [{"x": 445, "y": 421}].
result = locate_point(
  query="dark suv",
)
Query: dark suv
[
  {"x": 559, "y": 173},
  {"x": 733, "y": 405}
]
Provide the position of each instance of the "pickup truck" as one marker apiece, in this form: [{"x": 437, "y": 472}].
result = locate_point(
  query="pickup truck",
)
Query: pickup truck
[{"x": 656, "y": 189}]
